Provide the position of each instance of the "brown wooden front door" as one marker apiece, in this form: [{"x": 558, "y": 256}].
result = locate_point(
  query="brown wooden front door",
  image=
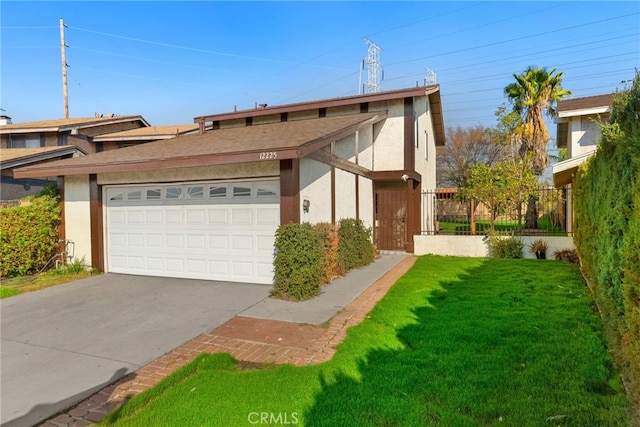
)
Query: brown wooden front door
[{"x": 391, "y": 218}]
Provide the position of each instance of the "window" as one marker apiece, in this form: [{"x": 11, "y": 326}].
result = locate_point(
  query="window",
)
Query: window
[
  {"x": 134, "y": 195},
  {"x": 266, "y": 192},
  {"x": 31, "y": 140},
  {"x": 118, "y": 196},
  {"x": 195, "y": 192},
  {"x": 154, "y": 194},
  {"x": 217, "y": 191},
  {"x": 174, "y": 193},
  {"x": 241, "y": 191}
]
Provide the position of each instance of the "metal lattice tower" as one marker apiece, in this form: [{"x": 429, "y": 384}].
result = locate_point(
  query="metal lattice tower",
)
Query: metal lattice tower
[
  {"x": 375, "y": 74},
  {"x": 430, "y": 78}
]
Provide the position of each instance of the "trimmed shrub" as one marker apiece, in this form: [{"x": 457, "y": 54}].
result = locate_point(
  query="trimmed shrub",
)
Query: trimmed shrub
[
  {"x": 354, "y": 247},
  {"x": 328, "y": 234},
  {"x": 28, "y": 236},
  {"x": 567, "y": 255},
  {"x": 298, "y": 262},
  {"x": 505, "y": 247}
]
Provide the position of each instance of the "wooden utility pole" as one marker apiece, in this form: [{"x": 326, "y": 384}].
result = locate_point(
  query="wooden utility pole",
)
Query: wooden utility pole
[{"x": 65, "y": 94}]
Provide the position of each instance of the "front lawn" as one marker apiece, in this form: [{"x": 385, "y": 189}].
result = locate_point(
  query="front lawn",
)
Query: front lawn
[
  {"x": 455, "y": 342},
  {"x": 58, "y": 276}
]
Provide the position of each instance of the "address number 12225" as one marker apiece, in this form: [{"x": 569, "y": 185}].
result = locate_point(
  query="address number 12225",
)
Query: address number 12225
[{"x": 268, "y": 155}]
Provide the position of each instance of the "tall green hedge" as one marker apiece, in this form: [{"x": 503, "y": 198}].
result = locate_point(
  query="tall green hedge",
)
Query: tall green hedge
[
  {"x": 607, "y": 229},
  {"x": 28, "y": 236}
]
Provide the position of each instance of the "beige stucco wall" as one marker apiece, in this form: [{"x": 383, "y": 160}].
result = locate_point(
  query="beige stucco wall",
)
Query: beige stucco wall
[
  {"x": 244, "y": 170},
  {"x": 77, "y": 215},
  {"x": 389, "y": 136}
]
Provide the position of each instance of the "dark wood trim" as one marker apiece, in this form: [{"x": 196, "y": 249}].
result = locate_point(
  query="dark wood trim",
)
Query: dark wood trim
[
  {"x": 413, "y": 212},
  {"x": 95, "y": 214},
  {"x": 409, "y": 135},
  {"x": 333, "y": 186},
  {"x": 289, "y": 191},
  {"x": 327, "y": 158},
  {"x": 395, "y": 175},
  {"x": 357, "y": 178},
  {"x": 327, "y": 103},
  {"x": 62, "y": 225}
]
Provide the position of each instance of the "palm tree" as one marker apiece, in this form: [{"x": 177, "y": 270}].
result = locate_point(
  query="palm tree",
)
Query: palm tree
[{"x": 533, "y": 95}]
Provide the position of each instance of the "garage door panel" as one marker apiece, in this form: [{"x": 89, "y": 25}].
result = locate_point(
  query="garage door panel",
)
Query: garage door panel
[
  {"x": 204, "y": 231},
  {"x": 218, "y": 216},
  {"x": 154, "y": 217},
  {"x": 135, "y": 217},
  {"x": 174, "y": 216},
  {"x": 242, "y": 216},
  {"x": 154, "y": 240},
  {"x": 218, "y": 242}
]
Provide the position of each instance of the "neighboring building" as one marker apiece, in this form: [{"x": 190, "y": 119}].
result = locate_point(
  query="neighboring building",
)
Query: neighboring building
[
  {"x": 30, "y": 143},
  {"x": 578, "y": 131},
  {"x": 79, "y": 132},
  {"x": 14, "y": 189},
  {"x": 130, "y": 137},
  {"x": 207, "y": 205}
]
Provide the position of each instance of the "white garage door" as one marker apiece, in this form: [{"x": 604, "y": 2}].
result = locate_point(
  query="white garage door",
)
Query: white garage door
[{"x": 213, "y": 231}]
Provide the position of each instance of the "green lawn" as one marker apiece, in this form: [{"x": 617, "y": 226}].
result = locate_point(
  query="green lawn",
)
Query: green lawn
[{"x": 455, "y": 342}]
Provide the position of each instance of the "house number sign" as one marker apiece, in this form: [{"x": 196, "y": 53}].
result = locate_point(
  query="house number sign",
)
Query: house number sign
[{"x": 268, "y": 155}]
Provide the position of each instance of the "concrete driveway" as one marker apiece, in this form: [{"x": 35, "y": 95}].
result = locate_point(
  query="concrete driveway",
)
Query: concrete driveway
[{"x": 59, "y": 345}]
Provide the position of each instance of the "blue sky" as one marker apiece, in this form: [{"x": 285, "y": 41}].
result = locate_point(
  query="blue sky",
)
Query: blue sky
[{"x": 172, "y": 61}]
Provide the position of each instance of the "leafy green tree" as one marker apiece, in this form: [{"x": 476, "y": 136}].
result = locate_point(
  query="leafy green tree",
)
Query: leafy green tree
[
  {"x": 533, "y": 95},
  {"x": 500, "y": 187}
]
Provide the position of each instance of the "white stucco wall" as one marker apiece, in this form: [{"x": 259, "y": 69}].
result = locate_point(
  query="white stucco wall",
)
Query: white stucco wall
[
  {"x": 365, "y": 188},
  {"x": 583, "y": 134},
  {"x": 77, "y": 215},
  {"x": 474, "y": 246},
  {"x": 389, "y": 139},
  {"x": 315, "y": 186},
  {"x": 425, "y": 148}
]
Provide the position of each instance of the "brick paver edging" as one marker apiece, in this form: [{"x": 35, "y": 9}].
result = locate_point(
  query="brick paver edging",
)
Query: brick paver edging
[{"x": 303, "y": 352}]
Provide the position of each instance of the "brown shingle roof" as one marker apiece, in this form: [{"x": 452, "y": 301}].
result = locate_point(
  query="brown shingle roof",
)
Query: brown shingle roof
[
  {"x": 63, "y": 124},
  {"x": 288, "y": 140},
  {"x": 585, "y": 102},
  {"x": 12, "y": 157},
  {"x": 148, "y": 133}
]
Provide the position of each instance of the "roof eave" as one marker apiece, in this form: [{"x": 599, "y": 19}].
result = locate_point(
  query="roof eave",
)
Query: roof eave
[
  {"x": 326, "y": 103},
  {"x": 155, "y": 164}
]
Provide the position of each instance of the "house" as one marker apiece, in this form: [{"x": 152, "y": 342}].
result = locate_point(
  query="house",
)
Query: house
[
  {"x": 41, "y": 141},
  {"x": 78, "y": 132},
  {"x": 207, "y": 205},
  {"x": 578, "y": 131},
  {"x": 14, "y": 189}
]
